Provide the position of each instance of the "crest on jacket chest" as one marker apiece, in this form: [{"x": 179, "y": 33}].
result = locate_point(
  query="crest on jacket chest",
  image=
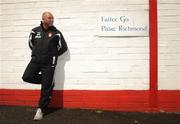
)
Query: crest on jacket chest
[{"x": 49, "y": 34}]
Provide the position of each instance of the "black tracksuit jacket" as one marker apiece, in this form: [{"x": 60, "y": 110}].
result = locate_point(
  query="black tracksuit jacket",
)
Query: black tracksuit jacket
[{"x": 46, "y": 45}]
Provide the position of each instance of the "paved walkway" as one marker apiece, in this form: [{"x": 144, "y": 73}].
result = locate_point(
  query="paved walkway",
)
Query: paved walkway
[{"x": 24, "y": 115}]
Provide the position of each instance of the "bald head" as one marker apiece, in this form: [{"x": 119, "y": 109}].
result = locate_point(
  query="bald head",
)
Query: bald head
[
  {"x": 47, "y": 19},
  {"x": 45, "y": 14}
]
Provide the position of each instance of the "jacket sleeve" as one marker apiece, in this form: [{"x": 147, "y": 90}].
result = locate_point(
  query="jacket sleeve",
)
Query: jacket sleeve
[
  {"x": 62, "y": 45},
  {"x": 31, "y": 39}
]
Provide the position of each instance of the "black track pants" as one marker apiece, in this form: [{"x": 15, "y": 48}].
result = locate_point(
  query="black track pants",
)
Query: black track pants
[{"x": 32, "y": 75}]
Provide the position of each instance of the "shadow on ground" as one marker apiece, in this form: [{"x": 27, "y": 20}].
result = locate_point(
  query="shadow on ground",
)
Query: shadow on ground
[{"x": 24, "y": 115}]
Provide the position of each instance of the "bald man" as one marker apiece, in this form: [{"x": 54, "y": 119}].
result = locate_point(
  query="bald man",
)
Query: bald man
[{"x": 46, "y": 43}]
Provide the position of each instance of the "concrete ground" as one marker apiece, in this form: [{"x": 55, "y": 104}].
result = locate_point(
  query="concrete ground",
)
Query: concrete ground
[{"x": 24, "y": 115}]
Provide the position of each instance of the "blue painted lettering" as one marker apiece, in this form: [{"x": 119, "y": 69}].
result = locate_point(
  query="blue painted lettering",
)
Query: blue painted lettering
[
  {"x": 108, "y": 19},
  {"x": 107, "y": 28},
  {"x": 124, "y": 19}
]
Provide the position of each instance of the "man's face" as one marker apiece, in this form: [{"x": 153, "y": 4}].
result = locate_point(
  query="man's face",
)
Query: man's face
[{"x": 48, "y": 19}]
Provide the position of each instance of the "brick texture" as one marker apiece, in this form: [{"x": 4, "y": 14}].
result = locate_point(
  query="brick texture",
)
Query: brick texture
[
  {"x": 169, "y": 45},
  {"x": 92, "y": 62}
]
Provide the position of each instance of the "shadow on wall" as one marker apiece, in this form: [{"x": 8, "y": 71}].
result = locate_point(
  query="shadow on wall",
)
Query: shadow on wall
[{"x": 59, "y": 78}]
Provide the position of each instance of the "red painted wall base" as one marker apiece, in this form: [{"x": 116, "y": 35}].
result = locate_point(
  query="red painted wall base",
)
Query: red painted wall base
[{"x": 118, "y": 100}]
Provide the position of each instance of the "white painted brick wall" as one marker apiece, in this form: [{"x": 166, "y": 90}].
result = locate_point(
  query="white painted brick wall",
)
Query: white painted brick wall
[
  {"x": 169, "y": 44},
  {"x": 0, "y": 48},
  {"x": 94, "y": 63}
]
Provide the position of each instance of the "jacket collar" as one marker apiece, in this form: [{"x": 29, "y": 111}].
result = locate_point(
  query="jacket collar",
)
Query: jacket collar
[{"x": 51, "y": 28}]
